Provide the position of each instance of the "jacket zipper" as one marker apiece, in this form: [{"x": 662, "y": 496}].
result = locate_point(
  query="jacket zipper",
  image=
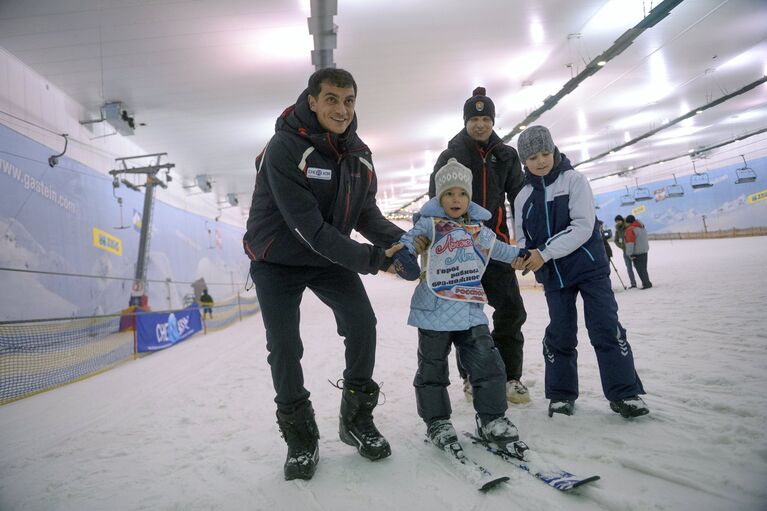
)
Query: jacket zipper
[{"x": 548, "y": 230}]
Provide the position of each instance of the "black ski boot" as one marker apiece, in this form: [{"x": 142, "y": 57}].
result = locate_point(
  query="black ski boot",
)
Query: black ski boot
[
  {"x": 565, "y": 407},
  {"x": 356, "y": 426},
  {"x": 441, "y": 433},
  {"x": 630, "y": 407},
  {"x": 301, "y": 434}
]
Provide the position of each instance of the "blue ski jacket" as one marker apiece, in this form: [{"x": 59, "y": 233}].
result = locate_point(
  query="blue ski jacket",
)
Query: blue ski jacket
[
  {"x": 555, "y": 214},
  {"x": 427, "y": 310}
]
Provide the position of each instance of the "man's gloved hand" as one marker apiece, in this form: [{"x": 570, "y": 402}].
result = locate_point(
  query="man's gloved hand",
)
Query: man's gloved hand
[{"x": 406, "y": 265}]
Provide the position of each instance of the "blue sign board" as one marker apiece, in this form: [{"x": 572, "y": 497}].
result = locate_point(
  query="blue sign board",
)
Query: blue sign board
[{"x": 160, "y": 330}]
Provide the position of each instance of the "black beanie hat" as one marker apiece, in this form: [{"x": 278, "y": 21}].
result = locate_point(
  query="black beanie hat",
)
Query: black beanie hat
[{"x": 478, "y": 105}]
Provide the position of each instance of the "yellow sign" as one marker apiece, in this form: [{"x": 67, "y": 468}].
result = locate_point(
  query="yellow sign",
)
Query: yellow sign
[
  {"x": 638, "y": 210},
  {"x": 756, "y": 197},
  {"x": 106, "y": 241}
]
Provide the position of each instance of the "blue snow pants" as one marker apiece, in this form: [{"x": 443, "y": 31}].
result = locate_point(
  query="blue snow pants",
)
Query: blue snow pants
[
  {"x": 480, "y": 358},
  {"x": 608, "y": 337}
]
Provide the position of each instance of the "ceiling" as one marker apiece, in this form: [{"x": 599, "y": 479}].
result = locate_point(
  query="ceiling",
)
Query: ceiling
[{"x": 208, "y": 78}]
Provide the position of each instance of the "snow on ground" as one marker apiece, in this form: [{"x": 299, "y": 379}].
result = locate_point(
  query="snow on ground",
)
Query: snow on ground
[{"x": 193, "y": 427}]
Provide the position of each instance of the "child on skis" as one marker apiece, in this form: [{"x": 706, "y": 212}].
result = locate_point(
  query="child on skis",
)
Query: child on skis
[
  {"x": 556, "y": 221},
  {"x": 447, "y": 309}
]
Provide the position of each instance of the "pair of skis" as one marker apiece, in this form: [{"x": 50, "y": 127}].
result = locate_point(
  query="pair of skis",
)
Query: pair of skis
[{"x": 517, "y": 454}]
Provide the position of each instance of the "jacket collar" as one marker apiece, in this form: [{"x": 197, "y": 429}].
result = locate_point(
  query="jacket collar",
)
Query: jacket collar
[
  {"x": 561, "y": 164},
  {"x": 463, "y": 142},
  {"x": 434, "y": 208}
]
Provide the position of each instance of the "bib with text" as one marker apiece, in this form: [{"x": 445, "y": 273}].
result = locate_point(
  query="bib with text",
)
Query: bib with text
[{"x": 457, "y": 261}]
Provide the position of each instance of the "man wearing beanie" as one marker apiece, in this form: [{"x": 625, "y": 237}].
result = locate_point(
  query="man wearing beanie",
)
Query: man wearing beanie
[
  {"x": 561, "y": 230},
  {"x": 496, "y": 179},
  {"x": 447, "y": 308}
]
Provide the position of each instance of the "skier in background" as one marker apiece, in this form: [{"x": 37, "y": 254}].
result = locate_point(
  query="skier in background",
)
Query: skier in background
[
  {"x": 620, "y": 234},
  {"x": 207, "y": 303},
  {"x": 637, "y": 247}
]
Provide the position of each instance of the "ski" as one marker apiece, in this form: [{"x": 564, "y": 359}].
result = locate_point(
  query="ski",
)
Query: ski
[
  {"x": 521, "y": 456},
  {"x": 472, "y": 471}
]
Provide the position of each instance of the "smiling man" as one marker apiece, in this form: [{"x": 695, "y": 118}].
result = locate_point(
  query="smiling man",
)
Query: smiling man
[{"x": 315, "y": 182}]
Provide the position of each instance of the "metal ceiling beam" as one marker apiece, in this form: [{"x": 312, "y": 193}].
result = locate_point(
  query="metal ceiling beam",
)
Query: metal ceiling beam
[
  {"x": 692, "y": 155},
  {"x": 324, "y": 31},
  {"x": 691, "y": 113},
  {"x": 620, "y": 44}
]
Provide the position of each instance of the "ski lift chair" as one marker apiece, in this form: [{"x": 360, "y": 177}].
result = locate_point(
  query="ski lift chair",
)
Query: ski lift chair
[
  {"x": 745, "y": 174},
  {"x": 699, "y": 179},
  {"x": 628, "y": 199},
  {"x": 674, "y": 190},
  {"x": 641, "y": 194}
]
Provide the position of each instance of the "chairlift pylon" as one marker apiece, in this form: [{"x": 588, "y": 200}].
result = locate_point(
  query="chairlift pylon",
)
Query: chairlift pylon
[
  {"x": 674, "y": 190},
  {"x": 744, "y": 174},
  {"x": 628, "y": 199},
  {"x": 699, "y": 179},
  {"x": 641, "y": 194}
]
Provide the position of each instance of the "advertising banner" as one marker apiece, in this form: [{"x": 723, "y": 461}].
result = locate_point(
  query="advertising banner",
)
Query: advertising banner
[{"x": 160, "y": 330}]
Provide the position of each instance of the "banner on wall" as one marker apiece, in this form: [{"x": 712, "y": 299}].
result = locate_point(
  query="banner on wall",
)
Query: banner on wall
[{"x": 160, "y": 330}]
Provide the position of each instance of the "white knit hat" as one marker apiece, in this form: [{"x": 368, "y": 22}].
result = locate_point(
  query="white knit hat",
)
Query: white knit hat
[{"x": 453, "y": 174}]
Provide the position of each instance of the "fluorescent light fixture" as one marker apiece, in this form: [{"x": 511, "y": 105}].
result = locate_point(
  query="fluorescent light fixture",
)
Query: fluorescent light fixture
[
  {"x": 536, "y": 32},
  {"x": 278, "y": 43},
  {"x": 583, "y": 124}
]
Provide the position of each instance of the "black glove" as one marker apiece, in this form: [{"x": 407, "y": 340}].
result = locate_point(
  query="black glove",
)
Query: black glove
[
  {"x": 524, "y": 254},
  {"x": 406, "y": 265}
]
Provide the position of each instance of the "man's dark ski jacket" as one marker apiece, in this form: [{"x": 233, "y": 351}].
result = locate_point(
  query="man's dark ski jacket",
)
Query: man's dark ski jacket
[
  {"x": 312, "y": 188},
  {"x": 496, "y": 171}
]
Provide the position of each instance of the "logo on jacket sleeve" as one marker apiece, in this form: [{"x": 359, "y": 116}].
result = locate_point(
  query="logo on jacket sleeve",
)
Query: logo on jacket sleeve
[{"x": 318, "y": 173}]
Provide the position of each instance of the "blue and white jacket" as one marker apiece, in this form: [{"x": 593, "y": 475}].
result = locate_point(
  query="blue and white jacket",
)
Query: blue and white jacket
[
  {"x": 427, "y": 310},
  {"x": 555, "y": 214}
]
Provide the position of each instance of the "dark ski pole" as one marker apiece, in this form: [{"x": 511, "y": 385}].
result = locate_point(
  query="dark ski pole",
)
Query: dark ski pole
[{"x": 616, "y": 272}]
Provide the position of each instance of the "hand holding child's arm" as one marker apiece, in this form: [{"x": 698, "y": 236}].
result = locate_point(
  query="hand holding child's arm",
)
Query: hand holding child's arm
[
  {"x": 519, "y": 262},
  {"x": 421, "y": 243},
  {"x": 534, "y": 262}
]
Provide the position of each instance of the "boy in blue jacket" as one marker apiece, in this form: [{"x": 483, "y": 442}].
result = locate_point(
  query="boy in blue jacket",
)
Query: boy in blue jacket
[
  {"x": 447, "y": 309},
  {"x": 556, "y": 221}
]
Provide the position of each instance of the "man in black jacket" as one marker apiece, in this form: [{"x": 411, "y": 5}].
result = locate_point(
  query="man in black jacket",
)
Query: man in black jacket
[
  {"x": 315, "y": 182},
  {"x": 498, "y": 177}
]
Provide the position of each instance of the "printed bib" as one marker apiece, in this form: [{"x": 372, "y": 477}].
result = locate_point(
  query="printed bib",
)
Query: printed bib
[{"x": 457, "y": 261}]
